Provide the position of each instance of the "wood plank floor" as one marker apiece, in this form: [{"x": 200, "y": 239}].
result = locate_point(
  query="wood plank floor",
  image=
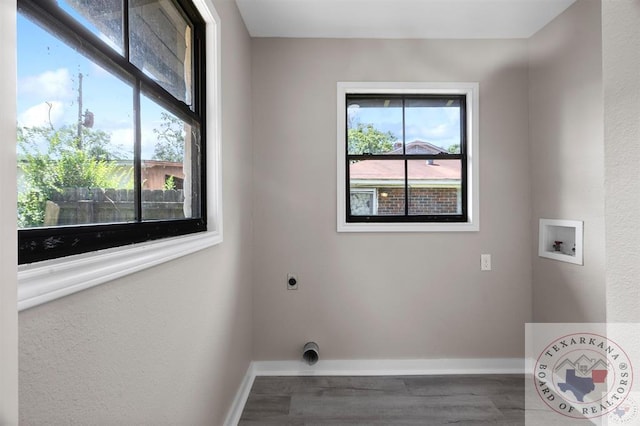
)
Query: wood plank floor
[{"x": 396, "y": 400}]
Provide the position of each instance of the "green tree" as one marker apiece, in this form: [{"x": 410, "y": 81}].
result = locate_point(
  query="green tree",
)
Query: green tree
[
  {"x": 366, "y": 139},
  {"x": 170, "y": 139},
  {"x": 51, "y": 161},
  {"x": 169, "y": 184},
  {"x": 97, "y": 144},
  {"x": 454, "y": 149}
]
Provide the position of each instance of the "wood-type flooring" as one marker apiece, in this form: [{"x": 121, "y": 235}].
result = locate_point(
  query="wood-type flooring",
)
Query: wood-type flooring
[{"x": 386, "y": 400}]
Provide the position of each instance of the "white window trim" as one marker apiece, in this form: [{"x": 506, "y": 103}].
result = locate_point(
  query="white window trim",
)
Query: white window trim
[
  {"x": 471, "y": 90},
  {"x": 45, "y": 281}
]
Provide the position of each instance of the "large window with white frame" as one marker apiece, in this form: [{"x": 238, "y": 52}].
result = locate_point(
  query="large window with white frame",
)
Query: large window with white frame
[
  {"x": 111, "y": 124},
  {"x": 407, "y": 157}
]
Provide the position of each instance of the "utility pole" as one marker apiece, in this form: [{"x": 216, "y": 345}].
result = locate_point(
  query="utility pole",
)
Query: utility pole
[{"x": 80, "y": 110}]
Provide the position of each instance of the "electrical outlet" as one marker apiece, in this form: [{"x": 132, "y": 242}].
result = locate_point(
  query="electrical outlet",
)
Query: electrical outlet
[
  {"x": 485, "y": 262},
  {"x": 292, "y": 282}
]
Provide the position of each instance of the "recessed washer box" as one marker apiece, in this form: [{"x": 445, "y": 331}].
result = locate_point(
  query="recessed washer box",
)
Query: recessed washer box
[{"x": 561, "y": 240}]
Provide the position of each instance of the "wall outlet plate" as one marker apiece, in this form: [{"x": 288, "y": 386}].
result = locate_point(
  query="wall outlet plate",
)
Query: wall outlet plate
[
  {"x": 485, "y": 262},
  {"x": 292, "y": 282}
]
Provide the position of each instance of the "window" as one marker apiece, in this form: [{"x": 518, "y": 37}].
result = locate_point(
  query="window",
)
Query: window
[
  {"x": 111, "y": 124},
  {"x": 407, "y": 157}
]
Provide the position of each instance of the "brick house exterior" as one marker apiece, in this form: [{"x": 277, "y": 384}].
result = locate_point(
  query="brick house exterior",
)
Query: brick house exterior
[
  {"x": 377, "y": 186},
  {"x": 421, "y": 201}
]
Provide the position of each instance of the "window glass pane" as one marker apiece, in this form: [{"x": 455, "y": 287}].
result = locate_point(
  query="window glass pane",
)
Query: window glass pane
[
  {"x": 363, "y": 202},
  {"x": 434, "y": 187},
  {"x": 432, "y": 125},
  {"x": 75, "y": 136},
  {"x": 382, "y": 182},
  {"x": 374, "y": 126},
  {"x": 160, "y": 45},
  {"x": 101, "y": 17},
  {"x": 170, "y": 164}
]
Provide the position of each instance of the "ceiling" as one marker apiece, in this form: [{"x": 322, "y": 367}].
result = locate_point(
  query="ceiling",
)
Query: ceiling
[{"x": 453, "y": 19}]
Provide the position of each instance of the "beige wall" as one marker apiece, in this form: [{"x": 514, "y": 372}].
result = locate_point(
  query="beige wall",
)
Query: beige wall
[
  {"x": 621, "y": 65},
  {"x": 385, "y": 295},
  {"x": 146, "y": 349},
  {"x": 171, "y": 344},
  {"x": 566, "y": 138},
  {"x": 8, "y": 252}
]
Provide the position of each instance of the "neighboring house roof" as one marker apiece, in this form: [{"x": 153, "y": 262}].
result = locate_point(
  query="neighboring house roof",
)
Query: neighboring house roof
[
  {"x": 418, "y": 147},
  {"x": 393, "y": 170},
  {"x": 160, "y": 163}
]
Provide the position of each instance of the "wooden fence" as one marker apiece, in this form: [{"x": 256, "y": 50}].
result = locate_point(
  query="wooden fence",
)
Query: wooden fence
[{"x": 74, "y": 206}]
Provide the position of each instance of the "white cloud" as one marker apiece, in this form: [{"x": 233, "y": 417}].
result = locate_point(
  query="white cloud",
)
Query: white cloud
[
  {"x": 50, "y": 85},
  {"x": 440, "y": 131},
  {"x": 432, "y": 133},
  {"x": 44, "y": 114},
  {"x": 123, "y": 136},
  {"x": 149, "y": 139}
]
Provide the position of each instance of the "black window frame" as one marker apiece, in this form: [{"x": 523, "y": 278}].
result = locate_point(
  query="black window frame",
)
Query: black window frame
[
  {"x": 463, "y": 217},
  {"x": 46, "y": 243}
]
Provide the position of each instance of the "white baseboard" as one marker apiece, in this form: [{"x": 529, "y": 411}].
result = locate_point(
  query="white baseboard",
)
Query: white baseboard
[
  {"x": 395, "y": 367},
  {"x": 529, "y": 366},
  {"x": 240, "y": 400},
  {"x": 369, "y": 367}
]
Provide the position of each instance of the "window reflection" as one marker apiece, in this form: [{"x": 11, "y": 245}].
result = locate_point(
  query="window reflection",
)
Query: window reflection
[
  {"x": 160, "y": 45},
  {"x": 101, "y": 17}
]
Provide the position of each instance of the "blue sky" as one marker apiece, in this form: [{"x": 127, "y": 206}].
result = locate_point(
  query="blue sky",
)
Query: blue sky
[
  {"x": 48, "y": 90},
  {"x": 437, "y": 125}
]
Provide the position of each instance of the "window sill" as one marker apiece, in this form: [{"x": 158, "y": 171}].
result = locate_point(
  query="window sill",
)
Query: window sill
[
  {"x": 43, "y": 282},
  {"x": 407, "y": 227},
  {"x": 48, "y": 280}
]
